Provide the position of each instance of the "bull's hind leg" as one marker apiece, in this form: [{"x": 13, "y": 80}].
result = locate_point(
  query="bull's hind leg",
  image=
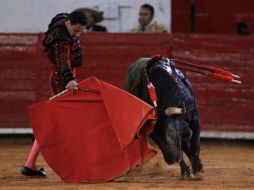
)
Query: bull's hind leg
[{"x": 194, "y": 149}]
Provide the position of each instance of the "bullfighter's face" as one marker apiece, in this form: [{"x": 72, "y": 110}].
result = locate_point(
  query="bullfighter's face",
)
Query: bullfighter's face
[{"x": 75, "y": 29}]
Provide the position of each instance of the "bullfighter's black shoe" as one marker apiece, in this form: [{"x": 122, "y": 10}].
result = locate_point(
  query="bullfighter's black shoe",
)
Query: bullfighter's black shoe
[{"x": 29, "y": 172}]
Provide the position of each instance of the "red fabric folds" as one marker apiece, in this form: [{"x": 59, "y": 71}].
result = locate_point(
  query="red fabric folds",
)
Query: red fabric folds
[{"x": 89, "y": 137}]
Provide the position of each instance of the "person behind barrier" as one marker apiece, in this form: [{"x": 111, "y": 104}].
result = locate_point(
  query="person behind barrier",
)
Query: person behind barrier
[
  {"x": 146, "y": 22},
  {"x": 93, "y": 17}
]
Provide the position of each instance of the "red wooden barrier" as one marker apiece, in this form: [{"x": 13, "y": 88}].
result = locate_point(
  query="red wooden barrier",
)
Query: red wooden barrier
[
  {"x": 181, "y": 16},
  {"x": 24, "y": 68},
  {"x": 222, "y": 16},
  {"x": 18, "y": 72},
  {"x": 224, "y": 106},
  {"x": 213, "y": 16}
]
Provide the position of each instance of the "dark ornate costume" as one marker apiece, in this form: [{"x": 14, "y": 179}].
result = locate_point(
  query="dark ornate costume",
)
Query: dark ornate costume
[{"x": 63, "y": 51}]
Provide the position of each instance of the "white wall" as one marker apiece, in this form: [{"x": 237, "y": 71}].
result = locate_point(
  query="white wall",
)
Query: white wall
[{"x": 35, "y": 15}]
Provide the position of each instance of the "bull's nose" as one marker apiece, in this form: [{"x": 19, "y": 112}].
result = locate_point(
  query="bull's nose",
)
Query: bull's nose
[
  {"x": 170, "y": 162},
  {"x": 169, "y": 159},
  {"x": 173, "y": 159}
]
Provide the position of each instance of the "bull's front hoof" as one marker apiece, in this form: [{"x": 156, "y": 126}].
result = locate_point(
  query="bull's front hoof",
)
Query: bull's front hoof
[
  {"x": 202, "y": 170},
  {"x": 192, "y": 177},
  {"x": 199, "y": 169},
  {"x": 198, "y": 176},
  {"x": 197, "y": 166},
  {"x": 187, "y": 175}
]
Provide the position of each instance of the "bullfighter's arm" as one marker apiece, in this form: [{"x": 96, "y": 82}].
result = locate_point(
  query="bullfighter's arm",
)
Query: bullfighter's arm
[{"x": 63, "y": 63}]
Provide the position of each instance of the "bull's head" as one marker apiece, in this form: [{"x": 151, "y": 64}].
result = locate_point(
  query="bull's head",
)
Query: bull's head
[{"x": 170, "y": 132}]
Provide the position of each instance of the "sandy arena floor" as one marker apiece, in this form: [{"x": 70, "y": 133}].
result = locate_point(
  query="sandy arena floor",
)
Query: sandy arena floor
[{"x": 228, "y": 165}]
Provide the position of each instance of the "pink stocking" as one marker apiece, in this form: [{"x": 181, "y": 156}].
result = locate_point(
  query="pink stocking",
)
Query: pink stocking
[{"x": 31, "y": 160}]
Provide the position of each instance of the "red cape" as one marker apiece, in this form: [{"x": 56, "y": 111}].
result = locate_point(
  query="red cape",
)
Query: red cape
[{"x": 89, "y": 137}]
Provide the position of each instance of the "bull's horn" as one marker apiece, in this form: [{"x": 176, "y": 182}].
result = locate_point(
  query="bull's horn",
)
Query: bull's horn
[{"x": 173, "y": 111}]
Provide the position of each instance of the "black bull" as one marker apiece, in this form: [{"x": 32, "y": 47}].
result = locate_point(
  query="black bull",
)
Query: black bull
[{"x": 173, "y": 133}]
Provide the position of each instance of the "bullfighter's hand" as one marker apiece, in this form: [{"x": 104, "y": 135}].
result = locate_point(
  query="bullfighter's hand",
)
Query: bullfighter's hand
[{"x": 72, "y": 85}]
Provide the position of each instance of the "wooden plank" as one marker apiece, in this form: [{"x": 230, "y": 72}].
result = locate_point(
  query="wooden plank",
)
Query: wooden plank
[
  {"x": 18, "y": 39},
  {"x": 225, "y": 6},
  {"x": 124, "y": 39},
  {"x": 14, "y": 84},
  {"x": 18, "y": 95},
  {"x": 12, "y": 119},
  {"x": 17, "y": 107},
  {"x": 17, "y": 74}
]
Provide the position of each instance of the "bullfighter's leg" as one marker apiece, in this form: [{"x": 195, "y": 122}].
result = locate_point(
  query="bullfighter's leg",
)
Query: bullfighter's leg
[
  {"x": 29, "y": 169},
  {"x": 31, "y": 160}
]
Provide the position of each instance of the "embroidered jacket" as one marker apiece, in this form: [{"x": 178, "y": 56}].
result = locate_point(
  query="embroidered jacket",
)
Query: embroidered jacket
[{"x": 63, "y": 51}]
